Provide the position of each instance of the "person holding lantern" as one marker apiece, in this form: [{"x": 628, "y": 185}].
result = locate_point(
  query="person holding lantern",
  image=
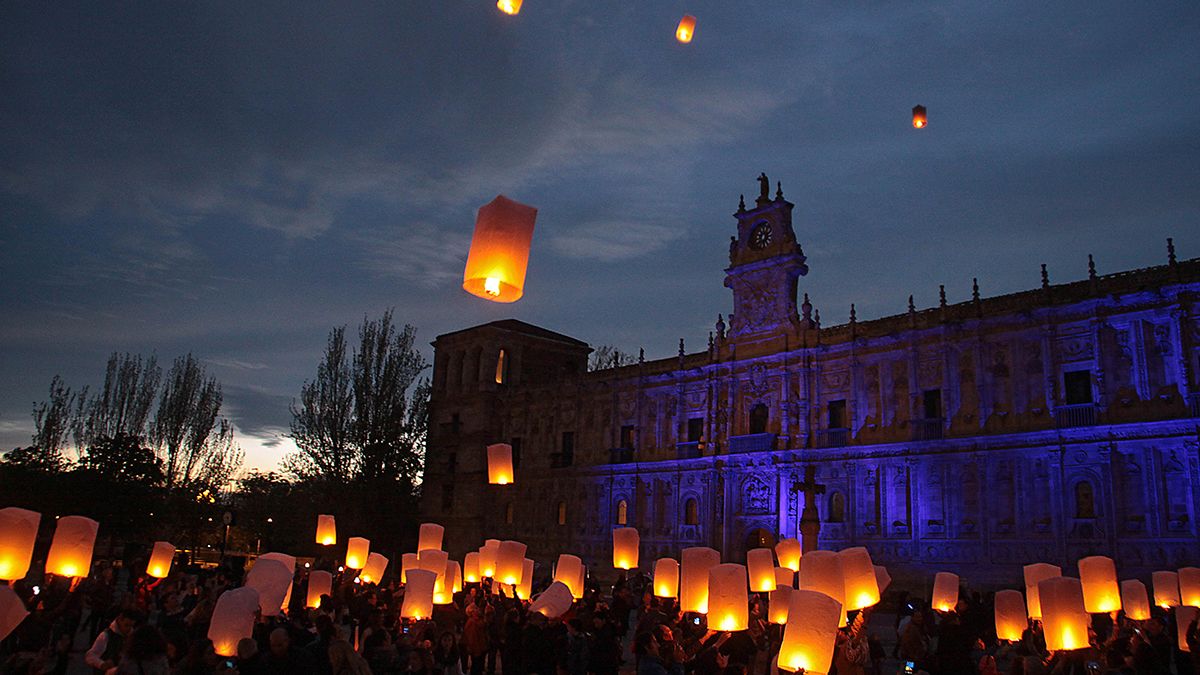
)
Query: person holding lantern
[{"x": 106, "y": 649}]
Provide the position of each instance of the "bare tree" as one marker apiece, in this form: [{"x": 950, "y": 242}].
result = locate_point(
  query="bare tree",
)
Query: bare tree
[
  {"x": 122, "y": 407},
  {"x": 52, "y": 423},
  {"x": 323, "y": 423},
  {"x": 194, "y": 442}
]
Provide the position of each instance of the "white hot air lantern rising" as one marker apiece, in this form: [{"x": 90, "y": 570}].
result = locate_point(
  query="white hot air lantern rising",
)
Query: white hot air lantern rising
[
  {"x": 728, "y": 598},
  {"x": 625, "y": 548},
  {"x": 500, "y": 464},
  {"x": 271, "y": 579},
  {"x": 470, "y": 567},
  {"x": 811, "y": 632},
  {"x": 945, "y": 592},
  {"x": 1035, "y": 574},
  {"x": 554, "y": 601},
  {"x": 161, "y": 557},
  {"x": 920, "y": 118},
  {"x": 778, "y": 601},
  {"x": 788, "y": 551},
  {"x": 666, "y": 578},
  {"x": 1011, "y": 620},
  {"x": 433, "y": 560},
  {"x": 760, "y": 565},
  {"x": 858, "y": 576},
  {"x": 320, "y": 583},
  {"x": 1184, "y": 616},
  {"x": 326, "y": 530},
  {"x": 430, "y": 536},
  {"x": 821, "y": 571},
  {"x": 510, "y": 562},
  {"x": 1134, "y": 600},
  {"x": 882, "y": 578},
  {"x": 372, "y": 572},
  {"x": 509, "y": 7},
  {"x": 524, "y": 589},
  {"x": 1065, "y": 621},
  {"x": 71, "y": 549},
  {"x": 357, "y": 550},
  {"x": 418, "y": 595},
  {"x": 454, "y": 579},
  {"x": 784, "y": 577},
  {"x": 499, "y": 253},
  {"x": 695, "y": 562},
  {"x": 569, "y": 570},
  {"x": 408, "y": 561},
  {"x": 1166, "y": 588},
  {"x": 487, "y": 558},
  {"x": 12, "y": 611},
  {"x": 18, "y": 533},
  {"x": 1101, "y": 592},
  {"x": 233, "y": 619},
  {"x": 1189, "y": 586},
  {"x": 686, "y": 29}
]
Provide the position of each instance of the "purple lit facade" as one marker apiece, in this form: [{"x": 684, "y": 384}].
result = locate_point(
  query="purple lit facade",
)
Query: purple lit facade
[{"x": 1045, "y": 425}]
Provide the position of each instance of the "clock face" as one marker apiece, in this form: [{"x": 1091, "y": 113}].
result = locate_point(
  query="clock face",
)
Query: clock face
[{"x": 760, "y": 236}]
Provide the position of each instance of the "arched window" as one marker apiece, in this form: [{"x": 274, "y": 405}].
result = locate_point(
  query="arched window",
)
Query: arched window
[
  {"x": 691, "y": 512},
  {"x": 501, "y": 367},
  {"x": 837, "y": 508},
  {"x": 758, "y": 419},
  {"x": 622, "y": 512},
  {"x": 1085, "y": 500},
  {"x": 562, "y": 513},
  {"x": 508, "y": 513}
]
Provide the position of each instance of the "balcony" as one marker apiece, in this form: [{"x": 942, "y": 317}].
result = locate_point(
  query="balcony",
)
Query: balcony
[
  {"x": 620, "y": 455},
  {"x": 833, "y": 438},
  {"x": 561, "y": 460},
  {"x": 689, "y": 450},
  {"x": 752, "y": 443},
  {"x": 1078, "y": 415},
  {"x": 927, "y": 428}
]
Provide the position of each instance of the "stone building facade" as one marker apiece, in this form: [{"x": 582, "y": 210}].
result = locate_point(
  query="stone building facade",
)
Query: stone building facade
[{"x": 975, "y": 437}]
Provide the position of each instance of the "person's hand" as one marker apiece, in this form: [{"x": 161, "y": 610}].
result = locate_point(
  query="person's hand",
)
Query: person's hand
[{"x": 722, "y": 660}]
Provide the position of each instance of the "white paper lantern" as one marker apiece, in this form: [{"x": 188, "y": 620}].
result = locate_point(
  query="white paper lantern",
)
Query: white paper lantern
[
  {"x": 569, "y": 570},
  {"x": 1101, "y": 592},
  {"x": 408, "y": 561},
  {"x": 1011, "y": 620},
  {"x": 161, "y": 557},
  {"x": 728, "y": 599},
  {"x": 12, "y": 611},
  {"x": 524, "y": 589},
  {"x": 760, "y": 565},
  {"x": 487, "y": 558},
  {"x": 1166, "y": 588},
  {"x": 430, "y": 536},
  {"x": 779, "y": 600},
  {"x": 788, "y": 551},
  {"x": 71, "y": 550},
  {"x": 372, "y": 572},
  {"x": 418, "y": 595},
  {"x": 821, "y": 571},
  {"x": 510, "y": 562},
  {"x": 1189, "y": 586},
  {"x": 326, "y": 530},
  {"x": 18, "y": 533},
  {"x": 357, "y": 550},
  {"x": 1184, "y": 616},
  {"x": 810, "y": 635},
  {"x": 666, "y": 578},
  {"x": 693, "y": 577},
  {"x": 1134, "y": 600},
  {"x": 554, "y": 601},
  {"x": 320, "y": 583},
  {"x": 1064, "y": 620},
  {"x": 271, "y": 579},
  {"x": 470, "y": 568},
  {"x": 625, "y": 548},
  {"x": 945, "y": 592},
  {"x": 233, "y": 618},
  {"x": 858, "y": 576},
  {"x": 1035, "y": 574}
]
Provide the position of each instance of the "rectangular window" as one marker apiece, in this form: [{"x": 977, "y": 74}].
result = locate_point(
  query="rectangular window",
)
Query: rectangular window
[
  {"x": 501, "y": 365},
  {"x": 447, "y": 497},
  {"x": 837, "y": 414},
  {"x": 1077, "y": 385},
  {"x": 568, "y": 445},
  {"x": 933, "y": 404},
  {"x": 516, "y": 446},
  {"x": 627, "y": 436},
  {"x": 695, "y": 429}
]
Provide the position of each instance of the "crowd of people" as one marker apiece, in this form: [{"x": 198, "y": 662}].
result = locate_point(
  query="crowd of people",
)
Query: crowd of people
[{"x": 114, "y": 622}]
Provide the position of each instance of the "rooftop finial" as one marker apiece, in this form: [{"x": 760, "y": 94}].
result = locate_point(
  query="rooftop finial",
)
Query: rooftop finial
[
  {"x": 1091, "y": 268},
  {"x": 806, "y": 311},
  {"x": 680, "y": 347},
  {"x": 1171, "y": 251},
  {"x": 641, "y": 354},
  {"x": 778, "y": 189},
  {"x": 975, "y": 290},
  {"x": 911, "y": 307},
  {"x": 853, "y": 315},
  {"x": 1045, "y": 278},
  {"x": 942, "y": 296},
  {"x": 720, "y": 326},
  {"x": 741, "y": 203},
  {"x": 817, "y": 317}
]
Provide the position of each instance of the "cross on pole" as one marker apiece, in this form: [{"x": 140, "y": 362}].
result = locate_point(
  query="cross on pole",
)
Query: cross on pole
[{"x": 810, "y": 521}]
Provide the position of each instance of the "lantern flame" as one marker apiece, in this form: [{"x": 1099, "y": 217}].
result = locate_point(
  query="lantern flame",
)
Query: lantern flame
[{"x": 491, "y": 286}]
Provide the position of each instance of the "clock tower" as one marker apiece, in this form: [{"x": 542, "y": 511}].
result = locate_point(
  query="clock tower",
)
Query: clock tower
[{"x": 765, "y": 264}]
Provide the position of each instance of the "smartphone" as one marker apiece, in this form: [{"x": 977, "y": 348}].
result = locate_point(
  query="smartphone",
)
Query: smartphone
[
  {"x": 1093, "y": 666},
  {"x": 696, "y": 621},
  {"x": 909, "y": 667},
  {"x": 230, "y": 664}
]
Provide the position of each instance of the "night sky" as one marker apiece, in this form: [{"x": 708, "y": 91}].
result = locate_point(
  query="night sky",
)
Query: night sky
[{"x": 234, "y": 179}]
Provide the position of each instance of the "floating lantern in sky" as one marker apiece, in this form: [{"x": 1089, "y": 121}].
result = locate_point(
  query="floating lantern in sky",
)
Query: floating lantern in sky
[
  {"x": 760, "y": 565},
  {"x": 858, "y": 576},
  {"x": 320, "y": 583},
  {"x": 811, "y": 631},
  {"x": 161, "y": 557},
  {"x": 784, "y": 577},
  {"x": 1189, "y": 586},
  {"x": 821, "y": 571},
  {"x": 1184, "y": 616},
  {"x": 882, "y": 578},
  {"x": 372, "y": 572},
  {"x": 233, "y": 619},
  {"x": 12, "y": 611},
  {"x": 625, "y": 548},
  {"x": 1166, "y": 588},
  {"x": 357, "y": 549},
  {"x": 788, "y": 551},
  {"x": 569, "y": 570},
  {"x": 18, "y": 532},
  {"x": 695, "y": 562},
  {"x": 500, "y": 464},
  {"x": 289, "y": 561},
  {"x": 666, "y": 578},
  {"x": 778, "y": 605},
  {"x": 408, "y": 561},
  {"x": 454, "y": 576},
  {"x": 554, "y": 601},
  {"x": 271, "y": 579},
  {"x": 487, "y": 557},
  {"x": 728, "y": 599},
  {"x": 686, "y": 29},
  {"x": 945, "y": 592},
  {"x": 430, "y": 536},
  {"x": 71, "y": 550},
  {"x": 418, "y": 594},
  {"x": 510, "y": 562},
  {"x": 1134, "y": 600},
  {"x": 1064, "y": 620},
  {"x": 919, "y": 117},
  {"x": 510, "y": 7},
  {"x": 500, "y": 250},
  {"x": 1101, "y": 593},
  {"x": 524, "y": 589},
  {"x": 1011, "y": 620},
  {"x": 434, "y": 560},
  {"x": 1034, "y": 574},
  {"x": 326, "y": 530},
  {"x": 470, "y": 567}
]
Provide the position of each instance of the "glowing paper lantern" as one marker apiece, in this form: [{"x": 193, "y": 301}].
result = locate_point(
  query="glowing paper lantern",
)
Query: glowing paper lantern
[
  {"x": 760, "y": 565},
  {"x": 569, "y": 570},
  {"x": 945, "y": 592},
  {"x": 500, "y": 250},
  {"x": 320, "y": 583},
  {"x": 271, "y": 580},
  {"x": 418, "y": 595},
  {"x": 372, "y": 572},
  {"x": 326, "y": 530},
  {"x": 454, "y": 576},
  {"x": 1134, "y": 600},
  {"x": 12, "y": 611},
  {"x": 695, "y": 562},
  {"x": 500, "y": 464},
  {"x": 510, "y": 562},
  {"x": 470, "y": 568},
  {"x": 554, "y": 601},
  {"x": 811, "y": 631},
  {"x": 858, "y": 577},
  {"x": 784, "y": 577},
  {"x": 161, "y": 557},
  {"x": 625, "y": 548},
  {"x": 71, "y": 550},
  {"x": 778, "y": 601},
  {"x": 821, "y": 571},
  {"x": 1064, "y": 619},
  {"x": 289, "y": 561},
  {"x": 408, "y": 561},
  {"x": 487, "y": 558},
  {"x": 788, "y": 552},
  {"x": 666, "y": 578},
  {"x": 1184, "y": 616},
  {"x": 919, "y": 117},
  {"x": 1011, "y": 620},
  {"x": 1101, "y": 593},
  {"x": 1189, "y": 586},
  {"x": 1166, "y": 589},
  {"x": 430, "y": 536},
  {"x": 882, "y": 578},
  {"x": 728, "y": 598},
  {"x": 18, "y": 532},
  {"x": 510, "y": 7},
  {"x": 1034, "y": 574},
  {"x": 524, "y": 589},
  {"x": 686, "y": 29},
  {"x": 233, "y": 619},
  {"x": 357, "y": 550},
  {"x": 434, "y": 560}
]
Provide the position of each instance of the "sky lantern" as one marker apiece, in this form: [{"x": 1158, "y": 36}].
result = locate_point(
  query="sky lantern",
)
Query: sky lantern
[
  {"x": 510, "y": 562},
  {"x": 693, "y": 577},
  {"x": 728, "y": 598},
  {"x": 821, "y": 571},
  {"x": 320, "y": 583},
  {"x": 760, "y": 565},
  {"x": 500, "y": 250},
  {"x": 271, "y": 579},
  {"x": 777, "y": 606},
  {"x": 161, "y": 557},
  {"x": 454, "y": 576},
  {"x": 1011, "y": 620},
  {"x": 289, "y": 561},
  {"x": 1101, "y": 593},
  {"x": 326, "y": 530},
  {"x": 784, "y": 577},
  {"x": 524, "y": 589},
  {"x": 500, "y": 464},
  {"x": 71, "y": 550},
  {"x": 920, "y": 119},
  {"x": 430, "y": 536},
  {"x": 788, "y": 551},
  {"x": 372, "y": 572},
  {"x": 1134, "y": 600},
  {"x": 882, "y": 578},
  {"x": 686, "y": 29},
  {"x": 1184, "y": 616},
  {"x": 666, "y": 578},
  {"x": 433, "y": 560},
  {"x": 858, "y": 576},
  {"x": 1034, "y": 574},
  {"x": 1166, "y": 588},
  {"x": 408, "y": 561},
  {"x": 487, "y": 557},
  {"x": 509, "y": 7},
  {"x": 470, "y": 567},
  {"x": 1189, "y": 586},
  {"x": 811, "y": 631},
  {"x": 233, "y": 619},
  {"x": 12, "y": 611},
  {"x": 1065, "y": 621},
  {"x": 418, "y": 595},
  {"x": 554, "y": 601},
  {"x": 18, "y": 532},
  {"x": 357, "y": 549},
  {"x": 569, "y": 570},
  {"x": 945, "y": 592},
  {"x": 625, "y": 548}
]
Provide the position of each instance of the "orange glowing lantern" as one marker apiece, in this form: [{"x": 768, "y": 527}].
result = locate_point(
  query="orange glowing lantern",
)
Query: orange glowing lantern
[
  {"x": 71, "y": 549},
  {"x": 728, "y": 598},
  {"x": 161, "y": 557},
  {"x": 1035, "y": 574},
  {"x": 454, "y": 576},
  {"x": 1134, "y": 600},
  {"x": 945, "y": 592},
  {"x": 418, "y": 594},
  {"x": 1184, "y": 616},
  {"x": 408, "y": 561},
  {"x": 919, "y": 117},
  {"x": 1011, "y": 620},
  {"x": 569, "y": 570},
  {"x": 695, "y": 562},
  {"x": 510, "y": 562},
  {"x": 1166, "y": 589},
  {"x": 18, "y": 532},
  {"x": 858, "y": 576},
  {"x": 510, "y": 7},
  {"x": 430, "y": 536},
  {"x": 788, "y": 551},
  {"x": 666, "y": 578},
  {"x": 821, "y": 571},
  {"x": 524, "y": 589},
  {"x": 471, "y": 567},
  {"x": 760, "y": 565},
  {"x": 12, "y": 611},
  {"x": 487, "y": 558},
  {"x": 326, "y": 530},
  {"x": 500, "y": 464},
  {"x": 784, "y": 577},
  {"x": 271, "y": 579},
  {"x": 554, "y": 601},
  {"x": 1065, "y": 621},
  {"x": 233, "y": 619},
  {"x": 1101, "y": 593},
  {"x": 686, "y": 29},
  {"x": 811, "y": 631},
  {"x": 433, "y": 560},
  {"x": 625, "y": 548},
  {"x": 1189, "y": 586},
  {"x": 500, "y": 250},
  {"x": 778, "y": 600},
  {"x": 320, "y": 583},
  {"x": 372, "y": 572},
  {"x": 882, "y": 578},
  {"x": 357, "y": 550}
]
